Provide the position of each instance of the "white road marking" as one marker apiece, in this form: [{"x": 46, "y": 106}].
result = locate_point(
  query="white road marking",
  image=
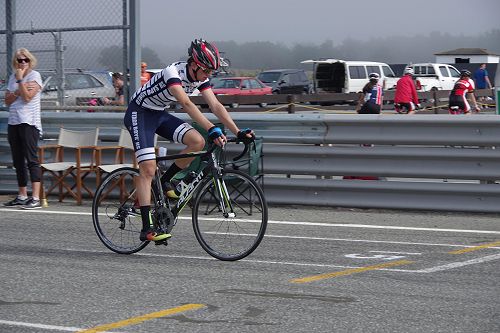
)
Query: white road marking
[
  {"x": 42, "y": 326},
  {"x": 267, "y": 262},
  {"x": 357, "y": 240},
  {"x": 302, "y": 223},
  {"x": 391, "y": 252},
  {"x": 460, "y": 264}
]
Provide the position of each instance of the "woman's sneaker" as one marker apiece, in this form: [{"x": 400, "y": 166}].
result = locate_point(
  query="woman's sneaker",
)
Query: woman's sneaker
[
  {"x": 16, "y": 202},
  {"x": 32, "y": 204}
]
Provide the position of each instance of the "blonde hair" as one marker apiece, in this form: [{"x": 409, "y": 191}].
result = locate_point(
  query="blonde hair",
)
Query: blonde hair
[{"x": 27, "y": 54}]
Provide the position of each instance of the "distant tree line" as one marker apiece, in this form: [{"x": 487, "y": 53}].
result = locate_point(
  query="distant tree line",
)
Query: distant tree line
[
  {"x": 392, "y": 50},
  {"x": 266, "y": 55}
]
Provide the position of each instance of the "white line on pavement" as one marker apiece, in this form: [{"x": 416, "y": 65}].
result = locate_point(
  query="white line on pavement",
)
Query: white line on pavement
[
  {"x": 460, "y": 264},
  {"x": 315, "y": 224},
  {"x": 267, "y": 262},
  {"x": 41, "y": 326},
  {"x": 357, "y": 240}
]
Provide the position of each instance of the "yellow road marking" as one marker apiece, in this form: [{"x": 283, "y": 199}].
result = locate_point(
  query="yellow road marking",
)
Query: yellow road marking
[
  {"x": 475, "y": 248},
  {"x": 139, "y": 319},
  {"x": 350, "y": 271}
]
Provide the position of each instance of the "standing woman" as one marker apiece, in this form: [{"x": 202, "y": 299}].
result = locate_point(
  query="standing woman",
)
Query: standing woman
[{"x": 25, "y": 127}]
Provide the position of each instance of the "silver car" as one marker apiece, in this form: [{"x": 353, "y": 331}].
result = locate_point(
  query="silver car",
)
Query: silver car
[{"x": 80, "y": 87}]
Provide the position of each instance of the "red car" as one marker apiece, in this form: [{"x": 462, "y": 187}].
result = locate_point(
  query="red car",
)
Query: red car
[{"x": 247, "y": 86}]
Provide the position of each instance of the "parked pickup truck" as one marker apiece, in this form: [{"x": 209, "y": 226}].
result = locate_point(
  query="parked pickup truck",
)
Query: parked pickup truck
[{"x": 431, "y": 76}]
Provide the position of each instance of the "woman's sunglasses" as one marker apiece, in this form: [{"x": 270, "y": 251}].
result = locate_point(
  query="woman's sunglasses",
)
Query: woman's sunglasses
[{"x": 23, "y": 60}]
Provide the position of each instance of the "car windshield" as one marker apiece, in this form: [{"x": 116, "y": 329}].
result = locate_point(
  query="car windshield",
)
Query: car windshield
[
  {"x": 268, "y": 77},
  {"x": 226, "y": 83}
]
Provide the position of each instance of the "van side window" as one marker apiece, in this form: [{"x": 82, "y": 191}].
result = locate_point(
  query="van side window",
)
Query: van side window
[
  {"x": 388, "y": 71},
  {"x": 430, "y": 70},
  {"x": 357, "y": 72},
  {"x": 373, "y": 69}
]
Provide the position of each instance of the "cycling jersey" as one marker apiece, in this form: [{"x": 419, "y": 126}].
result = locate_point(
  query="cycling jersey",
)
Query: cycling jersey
[
  {"x": 373, "y": 93},
  {"x": 372, "y": 97},
  {"x": 145, "y": 114},
  {"x": 155, "y": 94},
  {"x": 458, "y": 95}
]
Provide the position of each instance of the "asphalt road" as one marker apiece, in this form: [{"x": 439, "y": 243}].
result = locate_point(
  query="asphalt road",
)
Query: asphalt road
[{"x": 317, "y": 270}]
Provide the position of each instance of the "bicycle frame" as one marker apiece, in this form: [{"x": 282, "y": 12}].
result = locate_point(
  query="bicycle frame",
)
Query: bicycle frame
[{"x": 212, "y": 168}]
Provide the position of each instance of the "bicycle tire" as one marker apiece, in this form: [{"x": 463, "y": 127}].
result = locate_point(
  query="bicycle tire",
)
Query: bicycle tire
[
  {"x": 117, "y": 223},
  {"x": 230, "y": 238}
]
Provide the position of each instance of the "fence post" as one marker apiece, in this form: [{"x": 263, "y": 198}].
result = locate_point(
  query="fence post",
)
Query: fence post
[
  {"x": 291, "y": 103},
  {"x": 435, "y": 97}
]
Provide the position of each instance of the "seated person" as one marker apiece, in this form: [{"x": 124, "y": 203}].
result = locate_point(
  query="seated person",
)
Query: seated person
[{"x": 119, "y": 98}]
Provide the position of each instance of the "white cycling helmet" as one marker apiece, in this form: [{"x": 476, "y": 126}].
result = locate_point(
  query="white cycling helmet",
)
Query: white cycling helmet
[
  {"x": 409, "y": 70},
  {"x": 374, "y": 76}
]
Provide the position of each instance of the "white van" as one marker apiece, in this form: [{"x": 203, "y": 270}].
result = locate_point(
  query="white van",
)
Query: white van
[{"x": 340, "y": 76}]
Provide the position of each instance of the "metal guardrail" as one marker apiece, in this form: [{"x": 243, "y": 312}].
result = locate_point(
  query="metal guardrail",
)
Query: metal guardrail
[{"x": 436, "y": 162}]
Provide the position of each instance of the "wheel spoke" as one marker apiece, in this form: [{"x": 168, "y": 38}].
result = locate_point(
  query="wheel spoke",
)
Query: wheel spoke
[
  {"x": 230, "y": 237},
  {"x": 116, "y": 221}
]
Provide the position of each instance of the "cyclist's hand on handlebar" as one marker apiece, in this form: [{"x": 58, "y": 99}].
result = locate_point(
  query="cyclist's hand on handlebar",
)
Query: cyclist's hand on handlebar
[
  {"x": 246, "y": 135},
  {"x": 217, "y": 136}
]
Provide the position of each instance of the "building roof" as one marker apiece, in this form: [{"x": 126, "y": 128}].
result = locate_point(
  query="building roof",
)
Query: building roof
[{"x": 467, "y": 51}]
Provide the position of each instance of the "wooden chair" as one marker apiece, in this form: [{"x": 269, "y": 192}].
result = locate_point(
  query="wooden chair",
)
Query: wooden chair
[
  {"x": 69, "y": 175},
  {"x": 124, "y": 144}
]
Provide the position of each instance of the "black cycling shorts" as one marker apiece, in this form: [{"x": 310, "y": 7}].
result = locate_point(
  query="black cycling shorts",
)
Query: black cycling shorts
[
  {"x": 369, "y": 108},
  {"x": 143, "y": 124},
  {"x": 460, "y": 102}
]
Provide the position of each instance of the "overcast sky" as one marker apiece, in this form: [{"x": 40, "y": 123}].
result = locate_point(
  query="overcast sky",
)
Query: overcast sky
[{"x": 311, "y": 21}]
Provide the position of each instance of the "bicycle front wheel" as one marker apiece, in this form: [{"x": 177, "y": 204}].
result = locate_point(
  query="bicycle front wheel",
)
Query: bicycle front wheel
[
  {"x": 117, "y": 221},
  {"x": 230, "y": 215}
]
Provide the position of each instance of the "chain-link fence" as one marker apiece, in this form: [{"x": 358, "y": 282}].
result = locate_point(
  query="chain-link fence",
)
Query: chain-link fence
[{"x": 77, "y": 44}]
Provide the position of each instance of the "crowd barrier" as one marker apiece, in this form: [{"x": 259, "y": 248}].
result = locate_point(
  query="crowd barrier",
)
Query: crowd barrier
[{"x": 431, "y": 162}]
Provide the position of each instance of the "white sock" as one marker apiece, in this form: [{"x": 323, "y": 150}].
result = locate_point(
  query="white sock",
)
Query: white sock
[
  {"x": 36, "y": 198},
  {"x": 22, "y": 197}
]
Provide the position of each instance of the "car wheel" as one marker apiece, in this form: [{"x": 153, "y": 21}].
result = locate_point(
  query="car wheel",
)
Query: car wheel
[
  {"x": 234, "y": 105},
  {"x": 262, "y": 105}
]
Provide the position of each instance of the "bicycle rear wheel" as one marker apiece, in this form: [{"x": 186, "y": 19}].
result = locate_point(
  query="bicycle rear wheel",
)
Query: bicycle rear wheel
[
  {"x": 235, "y": 235},
  {"x": 117, "y": 221}
]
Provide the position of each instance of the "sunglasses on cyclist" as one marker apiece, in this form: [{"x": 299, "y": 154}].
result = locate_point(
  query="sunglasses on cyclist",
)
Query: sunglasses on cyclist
[
  {"x": 23, "y": 60},
  {"x": 205, "y": 70}
]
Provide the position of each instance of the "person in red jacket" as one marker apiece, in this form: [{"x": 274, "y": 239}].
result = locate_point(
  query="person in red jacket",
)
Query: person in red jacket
[{"x": 406, "y": 98}]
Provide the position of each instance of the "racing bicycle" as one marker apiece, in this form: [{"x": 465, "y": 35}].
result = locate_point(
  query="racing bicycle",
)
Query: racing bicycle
[{"x": 229, "y": 210}]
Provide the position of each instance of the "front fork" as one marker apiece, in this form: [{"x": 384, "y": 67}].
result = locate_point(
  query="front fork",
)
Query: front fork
[{"x": 224, "y": 198}]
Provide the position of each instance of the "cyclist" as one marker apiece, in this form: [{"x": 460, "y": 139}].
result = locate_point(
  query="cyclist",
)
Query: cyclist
[
  {"x": 406, "y": 98},
  {"x": 146, "y": 116},
  {"x": 457, "y": 101},
  {"x": 370, "y": 101}
]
